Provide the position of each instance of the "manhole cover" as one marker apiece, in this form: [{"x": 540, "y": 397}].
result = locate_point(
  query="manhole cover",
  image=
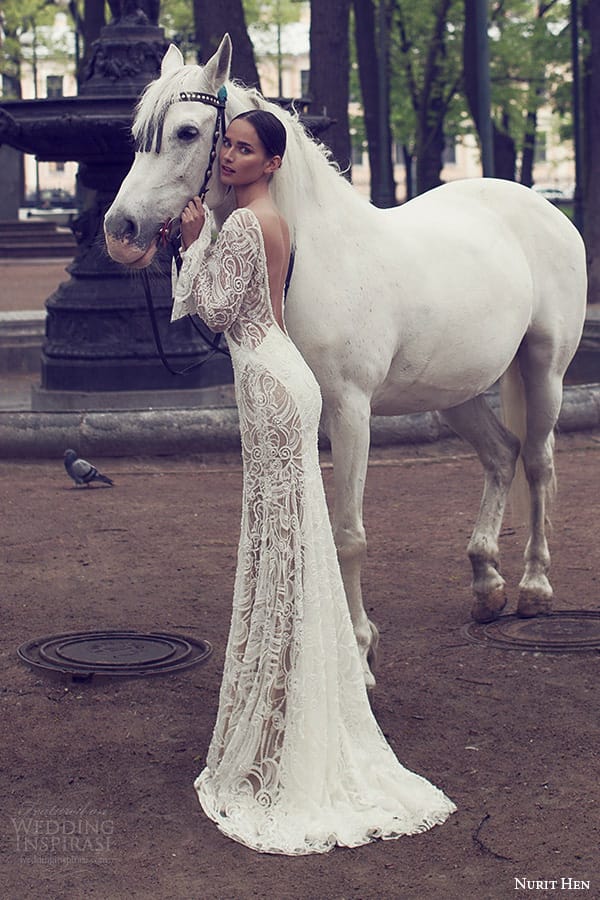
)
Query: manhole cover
[
  {"x": 114, "y": 653},
  {"x": 563, "y": 631}
]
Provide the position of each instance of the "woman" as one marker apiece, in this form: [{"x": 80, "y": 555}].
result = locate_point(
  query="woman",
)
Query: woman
[{"x": 297, "y": 763}]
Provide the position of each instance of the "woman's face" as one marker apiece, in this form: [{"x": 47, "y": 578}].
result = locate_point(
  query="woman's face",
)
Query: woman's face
[{"x": 243, "y": 158}]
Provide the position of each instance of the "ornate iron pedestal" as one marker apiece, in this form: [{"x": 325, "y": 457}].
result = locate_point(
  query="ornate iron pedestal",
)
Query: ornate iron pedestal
[{"x": 98, "y": 335}]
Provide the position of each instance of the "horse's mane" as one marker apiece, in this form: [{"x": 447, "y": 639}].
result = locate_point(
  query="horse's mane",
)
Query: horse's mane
[
  {"x": 154, "y": 104},
  {"x": 307, "y": 176}
]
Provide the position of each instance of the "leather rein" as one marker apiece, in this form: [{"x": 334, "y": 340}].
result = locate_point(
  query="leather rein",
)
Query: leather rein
[{"x": 164, "y": 237}]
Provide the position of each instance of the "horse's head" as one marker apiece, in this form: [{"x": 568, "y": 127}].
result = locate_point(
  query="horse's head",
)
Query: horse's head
[{"x": 174, "y": 132}]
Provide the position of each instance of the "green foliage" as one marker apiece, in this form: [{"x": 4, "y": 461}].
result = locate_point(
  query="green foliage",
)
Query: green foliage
[
  {"x": 25, "y": 24},
  {"x": 529, "y": 54},
  {"x": 417, "y": 76},
  {"x": 271, "y": 12},
  {"x": 177, "y": 18},
  {"x": 269, "y": 17},
  {"x": 529, "y": 51},
  {"x": 20, "y": 16}
]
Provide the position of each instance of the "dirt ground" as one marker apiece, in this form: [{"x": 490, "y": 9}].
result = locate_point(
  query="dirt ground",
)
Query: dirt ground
[
  {"x": 106, "y": 768},
  {"x": 27, "y": 284}
]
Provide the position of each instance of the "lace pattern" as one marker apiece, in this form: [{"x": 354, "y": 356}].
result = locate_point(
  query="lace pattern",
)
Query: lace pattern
[
  {"x": 214, "y": 280},
  {"x": 297, "y": 762}
]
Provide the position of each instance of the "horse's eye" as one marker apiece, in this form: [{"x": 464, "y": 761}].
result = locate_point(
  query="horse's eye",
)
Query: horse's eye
[{"x": 187, "y": 133}]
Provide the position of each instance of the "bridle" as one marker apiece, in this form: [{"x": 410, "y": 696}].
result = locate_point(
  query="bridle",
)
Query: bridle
[{"x": 164, "y": 237}]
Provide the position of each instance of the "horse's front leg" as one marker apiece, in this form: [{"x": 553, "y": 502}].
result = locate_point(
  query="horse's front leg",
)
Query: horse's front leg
[{"x": 348, "y": 425}]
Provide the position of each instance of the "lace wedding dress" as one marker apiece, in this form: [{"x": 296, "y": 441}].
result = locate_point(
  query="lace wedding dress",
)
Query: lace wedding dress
[{"x": 297, "y": 762}]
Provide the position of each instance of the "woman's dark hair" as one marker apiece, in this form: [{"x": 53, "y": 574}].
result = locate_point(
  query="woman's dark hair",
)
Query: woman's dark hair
[{"x": 270, "y": 130}]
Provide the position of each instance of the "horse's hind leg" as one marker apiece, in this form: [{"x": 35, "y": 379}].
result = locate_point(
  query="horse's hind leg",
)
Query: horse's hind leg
[
  {"x": 497, "y": 449},
  {"x": 543, "y": 393}
]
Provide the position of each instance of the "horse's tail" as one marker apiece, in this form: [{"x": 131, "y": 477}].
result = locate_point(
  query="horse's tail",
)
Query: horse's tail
[{"x": 514, "y": 416}]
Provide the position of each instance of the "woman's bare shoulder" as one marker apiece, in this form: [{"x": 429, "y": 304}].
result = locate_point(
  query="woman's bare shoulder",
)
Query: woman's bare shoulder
[{"x": 271, "y": 221}]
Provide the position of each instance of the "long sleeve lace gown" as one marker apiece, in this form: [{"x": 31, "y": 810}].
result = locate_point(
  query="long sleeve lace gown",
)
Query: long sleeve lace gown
[{"x": 297, "y": 762}]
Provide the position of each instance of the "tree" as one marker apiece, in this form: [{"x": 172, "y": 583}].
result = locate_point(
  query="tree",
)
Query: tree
[
  {"x": 88, "y": 20},
  {"x": 329, "y": 72},
  {"x": 549, "y": 40},
  {"x": 268, "y": 19},
  {"x": 529, "y": 52},
  {"x": 212, "y": 20},
  {"x": 372, "y": 52},
  {"x": 428, "y": 66},
  {"x": 20, "y": 21},
  {"x": 591, "y": 186},
  {"x": 505, "y": 151}
]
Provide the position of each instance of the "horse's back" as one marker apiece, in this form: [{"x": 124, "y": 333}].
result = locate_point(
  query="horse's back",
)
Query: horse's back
[
  {"x": 449, "y": 284},
  {"x": 555, "y": 253},
  {"x": 511, "y": 224},
  {"x": 491, "y": 263},
  {"x": 541, "y": 230}
]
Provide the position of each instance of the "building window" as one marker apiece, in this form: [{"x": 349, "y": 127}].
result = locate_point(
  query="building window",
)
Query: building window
[
  {"x": 304, "y": 77},
  {"x": 449, "y": 153},
  {"x": 541, "y": 145},
  {"x": 357, "y": 154},
  {"x": 54, "y": 86}
]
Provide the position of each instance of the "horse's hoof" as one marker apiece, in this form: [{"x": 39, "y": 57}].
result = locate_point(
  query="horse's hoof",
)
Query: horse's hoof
[
  {"x": 373, "y": 645},
  {"x": 370, "y": 682},
  {"x": 488, "y": 607},
  {"x": 370, "y": 662},
  {"x": 532, "y": 603}
]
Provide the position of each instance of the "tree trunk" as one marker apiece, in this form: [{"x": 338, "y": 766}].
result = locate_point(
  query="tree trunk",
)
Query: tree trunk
[
  {"x": 505, "y": 154},
  {"x": 430, "y": 92},
  {"x": 430, "y": 147},
  {"x": 591, "y": 187},
  {"x": 432, "y": 107},
  {"x": 505, "y": 151},
  {"x": 329, "y": 68},
  {"x": 378, "y": 132},
  {"x": 408, "y": 171},
  {"x": 528, "y": 157},
  {"x": 212, "y": 20}
]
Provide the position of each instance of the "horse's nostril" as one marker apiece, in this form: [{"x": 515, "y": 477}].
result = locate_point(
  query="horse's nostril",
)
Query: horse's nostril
[
  {"x": 122, "y": 228},
  {"x": 130, "y": 229}
]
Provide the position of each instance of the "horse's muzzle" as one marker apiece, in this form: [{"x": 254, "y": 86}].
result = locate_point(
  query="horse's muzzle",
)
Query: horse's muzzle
[{"x": 129, "y": 254}]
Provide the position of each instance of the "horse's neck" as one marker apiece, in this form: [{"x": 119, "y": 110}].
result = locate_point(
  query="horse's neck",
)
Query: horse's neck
[{"x": 346, "y": 218}]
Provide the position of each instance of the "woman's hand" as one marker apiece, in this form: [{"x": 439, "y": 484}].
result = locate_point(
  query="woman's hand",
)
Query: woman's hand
[{"x": 192, "y": 221}]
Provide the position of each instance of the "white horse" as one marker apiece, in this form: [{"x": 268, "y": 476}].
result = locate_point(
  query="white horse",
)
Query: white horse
[{"x": 397, "y": 311}]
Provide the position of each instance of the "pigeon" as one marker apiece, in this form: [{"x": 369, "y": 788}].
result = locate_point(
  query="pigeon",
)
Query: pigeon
[{"x": 81, "y": 471}]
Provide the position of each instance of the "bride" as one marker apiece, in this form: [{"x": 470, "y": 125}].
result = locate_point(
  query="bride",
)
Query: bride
[{"x": 297, "y": 763}]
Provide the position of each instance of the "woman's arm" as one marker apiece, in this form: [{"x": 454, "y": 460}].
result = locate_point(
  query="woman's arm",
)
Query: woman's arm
[
  {"x": 193, "y": 218},
  {"x": 213, "y": 280}
]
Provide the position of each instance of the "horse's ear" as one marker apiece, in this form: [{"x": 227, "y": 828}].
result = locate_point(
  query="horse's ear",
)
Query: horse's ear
[
  {"x": 172, "y": 60},
  {"x": 218, "y": 66}
]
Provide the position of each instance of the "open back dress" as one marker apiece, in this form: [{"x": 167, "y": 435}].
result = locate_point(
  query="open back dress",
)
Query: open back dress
[{"x": 297, "y": 762}]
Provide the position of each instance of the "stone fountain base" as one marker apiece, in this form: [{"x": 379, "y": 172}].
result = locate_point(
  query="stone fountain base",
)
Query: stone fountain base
[{"x": 214, "y": 397}]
